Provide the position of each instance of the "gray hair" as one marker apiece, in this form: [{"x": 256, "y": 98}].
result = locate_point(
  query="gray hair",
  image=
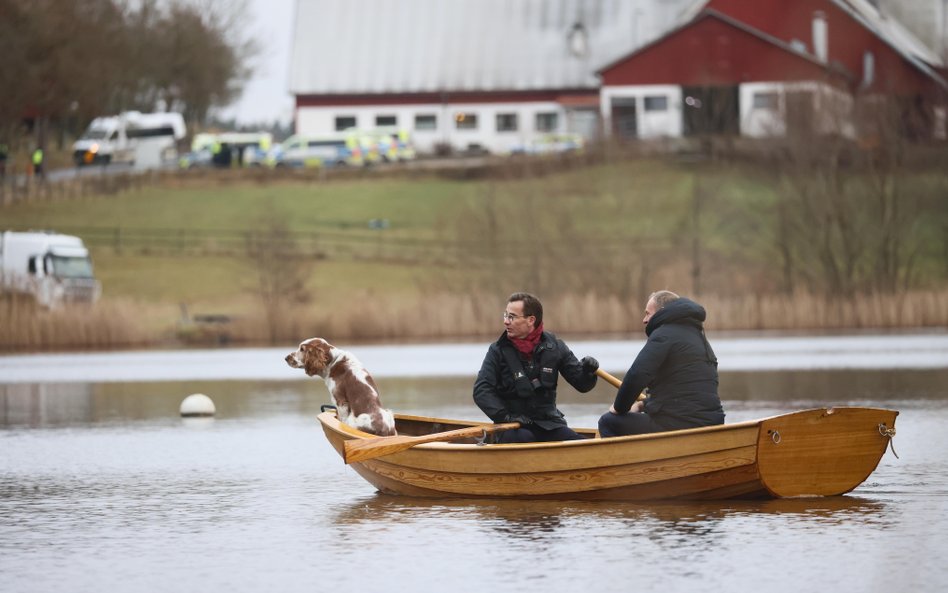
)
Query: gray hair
[{"x": 662, "y": 297}]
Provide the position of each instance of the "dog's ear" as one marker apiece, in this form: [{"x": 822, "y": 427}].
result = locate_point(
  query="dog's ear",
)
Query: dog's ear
[
  {"x": 324, "y": 355},
  {"x": 315, "y": 357},
  {"x": 311, "y": 359}
]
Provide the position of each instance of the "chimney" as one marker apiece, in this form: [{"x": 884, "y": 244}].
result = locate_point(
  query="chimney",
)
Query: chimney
[{"x": 820, "y": 36}]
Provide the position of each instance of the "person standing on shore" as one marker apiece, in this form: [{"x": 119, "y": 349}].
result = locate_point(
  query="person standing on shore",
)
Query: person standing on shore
[
  {"x": 517, "y": 380},
  {"x": 678, "y": 368},
  {"x": 38, "y": 163}
]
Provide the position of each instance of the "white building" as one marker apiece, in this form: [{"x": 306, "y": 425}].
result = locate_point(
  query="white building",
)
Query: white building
[
  {"x": 465, "y": 74},
  {"x": 500, "y": 74}
]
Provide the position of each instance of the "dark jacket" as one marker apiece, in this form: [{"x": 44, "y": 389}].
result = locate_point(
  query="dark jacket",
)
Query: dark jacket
[
  {"x": 678, "y": 367},
  {"x": 497, "y": 393}
]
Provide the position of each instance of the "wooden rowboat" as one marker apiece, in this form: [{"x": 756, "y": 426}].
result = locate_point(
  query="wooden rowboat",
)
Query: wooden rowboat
[{"x": 818, "y": 452}]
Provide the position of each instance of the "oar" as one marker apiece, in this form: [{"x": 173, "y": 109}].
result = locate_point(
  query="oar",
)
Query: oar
[
  {"x": 609, "y": 378},
  {"x": 361, "y": 449},
  {"x": 615, "y": 382}
]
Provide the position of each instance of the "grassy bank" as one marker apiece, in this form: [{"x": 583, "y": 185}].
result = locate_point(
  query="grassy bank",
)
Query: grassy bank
[{"x": 429, "y": 258}]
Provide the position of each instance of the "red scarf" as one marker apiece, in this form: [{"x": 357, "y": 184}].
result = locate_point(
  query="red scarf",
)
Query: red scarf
[{"x": 526, "y": 345}]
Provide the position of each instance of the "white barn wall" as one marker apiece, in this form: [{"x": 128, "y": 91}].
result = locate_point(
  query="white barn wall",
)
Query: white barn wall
[
  {"x": 832, "y": 109},
  {"x": 651, "y": 124},
  {"x": 318, "y": 121},
  {"x": 757, "y": 122}
]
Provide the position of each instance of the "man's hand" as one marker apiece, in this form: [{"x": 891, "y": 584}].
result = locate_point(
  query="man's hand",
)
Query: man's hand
[
  {"x": 638, "y": 406},
  {"x": 590, "y": 365},
  {"x": 523, "y": 420}
]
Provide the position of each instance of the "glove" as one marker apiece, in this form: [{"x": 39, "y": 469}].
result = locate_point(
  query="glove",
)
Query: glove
[
  {"x": 523, "y": 420},
  {"x": 590, "y": 365}
]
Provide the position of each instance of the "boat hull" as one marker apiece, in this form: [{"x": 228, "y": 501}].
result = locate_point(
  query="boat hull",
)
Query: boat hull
[{"x": 820, "y": 452}]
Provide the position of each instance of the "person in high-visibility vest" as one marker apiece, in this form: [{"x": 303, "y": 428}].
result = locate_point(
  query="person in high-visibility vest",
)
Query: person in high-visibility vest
[{"x": 38, "y": 162}]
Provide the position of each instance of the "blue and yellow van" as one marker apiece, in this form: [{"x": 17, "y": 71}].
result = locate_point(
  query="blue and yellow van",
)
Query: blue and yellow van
[{"x": 340, "y": 149}]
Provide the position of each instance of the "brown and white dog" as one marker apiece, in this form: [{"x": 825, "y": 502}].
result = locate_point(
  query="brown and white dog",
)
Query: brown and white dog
[{"x": 353, "y": 389}]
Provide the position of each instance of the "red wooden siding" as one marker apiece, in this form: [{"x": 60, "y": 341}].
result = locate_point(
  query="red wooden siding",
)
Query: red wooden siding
[
  {"x": 711, "y": 51},
  {"x": 847, "y": 39}
]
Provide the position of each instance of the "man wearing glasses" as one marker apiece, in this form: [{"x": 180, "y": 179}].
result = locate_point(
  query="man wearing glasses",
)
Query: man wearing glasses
[{"x": 517, "y": 380}]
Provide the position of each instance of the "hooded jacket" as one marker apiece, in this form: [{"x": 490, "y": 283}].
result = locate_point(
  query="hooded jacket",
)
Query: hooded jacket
[{"x": 679, "y": 369}]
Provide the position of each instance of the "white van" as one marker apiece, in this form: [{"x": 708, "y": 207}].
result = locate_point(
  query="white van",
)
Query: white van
[
  {"x": 50, "y": 267},
  {"x": 143, "y": 139}
]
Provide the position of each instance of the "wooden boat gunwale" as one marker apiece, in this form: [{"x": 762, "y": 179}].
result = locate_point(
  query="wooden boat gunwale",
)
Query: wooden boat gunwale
[{"x": 708, "y": 462}]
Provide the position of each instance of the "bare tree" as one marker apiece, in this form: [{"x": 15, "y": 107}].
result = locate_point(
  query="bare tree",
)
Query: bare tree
[{"x": 281, "y": 272}]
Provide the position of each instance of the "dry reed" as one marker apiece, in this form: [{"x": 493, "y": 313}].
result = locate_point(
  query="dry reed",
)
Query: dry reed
[{"x": 444, "y": 316}]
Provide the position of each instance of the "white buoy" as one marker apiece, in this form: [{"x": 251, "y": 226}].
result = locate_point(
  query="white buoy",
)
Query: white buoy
[{"x": 197, "y": 404}]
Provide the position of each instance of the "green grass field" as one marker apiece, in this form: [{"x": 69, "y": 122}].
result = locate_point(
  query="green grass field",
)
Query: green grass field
[{"x": 610, "y": 232}]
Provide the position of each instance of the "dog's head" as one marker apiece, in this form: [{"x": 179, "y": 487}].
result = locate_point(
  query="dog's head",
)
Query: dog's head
[{"x": 313, "y": 356}]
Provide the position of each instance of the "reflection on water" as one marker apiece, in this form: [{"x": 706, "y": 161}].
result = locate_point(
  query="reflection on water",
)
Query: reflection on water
[
  {"x": 539, "y": 518},
  {"x": 104, "y": 487},
  {"x": 52, "y": 404}
]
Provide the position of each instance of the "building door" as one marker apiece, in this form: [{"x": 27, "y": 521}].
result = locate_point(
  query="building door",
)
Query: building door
[
  {"x": 624, "y": 119},
  {"x": 711, "y": 110},
  {"x": 800, "y": 115}
]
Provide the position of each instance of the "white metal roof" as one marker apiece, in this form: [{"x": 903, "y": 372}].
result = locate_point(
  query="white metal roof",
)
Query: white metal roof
[{"x": 408, "y": 46}]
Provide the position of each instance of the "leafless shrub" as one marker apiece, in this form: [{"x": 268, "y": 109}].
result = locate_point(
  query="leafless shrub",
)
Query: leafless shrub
[{"x": 281, "y": 274}]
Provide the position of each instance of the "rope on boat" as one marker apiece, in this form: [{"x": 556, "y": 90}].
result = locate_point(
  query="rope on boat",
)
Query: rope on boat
[{"x": 889, "y": 433}]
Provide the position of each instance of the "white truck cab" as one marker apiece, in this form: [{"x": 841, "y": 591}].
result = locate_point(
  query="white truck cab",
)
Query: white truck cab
[{"x": 52, "y": 268}]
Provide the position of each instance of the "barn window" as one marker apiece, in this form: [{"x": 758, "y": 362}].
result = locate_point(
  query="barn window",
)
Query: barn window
[
  {"x": 426, "y": 122},
  {"x": 546, "y": 122},
  {"x": 506, "y": 122},
  {"x": 656, "y": 103},
  {"x": 345, "y": 121},
  {"x": 769, "y": 100},
  {"x": 466, "y": 121}
]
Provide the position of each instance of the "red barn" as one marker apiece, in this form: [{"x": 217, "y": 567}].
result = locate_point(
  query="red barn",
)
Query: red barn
[{"x": 763, "y": 67}]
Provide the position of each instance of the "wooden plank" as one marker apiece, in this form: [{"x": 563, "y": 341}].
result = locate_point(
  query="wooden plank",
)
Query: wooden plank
[
  {"x": 529, "y": 483},
  {"x": 587, "y": 455}
]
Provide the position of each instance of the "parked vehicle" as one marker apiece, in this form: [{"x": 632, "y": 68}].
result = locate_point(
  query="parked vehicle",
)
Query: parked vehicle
[
  {"x": 376, "y": 146},
  {"x": 344, "y": 148},
  {"x": 552, "y": 144},
  {"x": 244, "y": 148},
  {"x": 402, "y": 147},
  {"x": 131, "y": 137},
  {"x": 49, "y": 267}
]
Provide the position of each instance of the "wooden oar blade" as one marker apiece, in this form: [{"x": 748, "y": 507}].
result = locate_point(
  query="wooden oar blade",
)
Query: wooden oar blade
[{"x": 355, "y": 450}]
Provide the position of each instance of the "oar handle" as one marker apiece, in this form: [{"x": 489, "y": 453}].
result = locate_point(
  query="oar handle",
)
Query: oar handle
[
  {"x": 615, "y": 382},
  {"x": 355, "y": 450}
]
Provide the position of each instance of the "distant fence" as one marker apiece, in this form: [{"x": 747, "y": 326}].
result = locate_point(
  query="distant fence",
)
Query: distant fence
[
  {"x": 20, "y": 185},
  {"x": 29, "y": 188},
  {"x": 342, "y": 243}
]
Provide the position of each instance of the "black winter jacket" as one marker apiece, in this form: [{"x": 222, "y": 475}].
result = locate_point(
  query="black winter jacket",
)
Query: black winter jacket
[
  {"x": 678, "y": 367},
  {"x": 496, "y": 391}
]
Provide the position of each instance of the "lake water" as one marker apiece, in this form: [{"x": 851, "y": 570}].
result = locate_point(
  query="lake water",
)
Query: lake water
[{"x": 104, "y": 488}]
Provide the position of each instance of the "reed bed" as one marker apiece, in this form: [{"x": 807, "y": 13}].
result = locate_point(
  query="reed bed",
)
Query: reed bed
[
  {"x": 24, "y": 327},
  {"x": 444, "y": 317}
]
